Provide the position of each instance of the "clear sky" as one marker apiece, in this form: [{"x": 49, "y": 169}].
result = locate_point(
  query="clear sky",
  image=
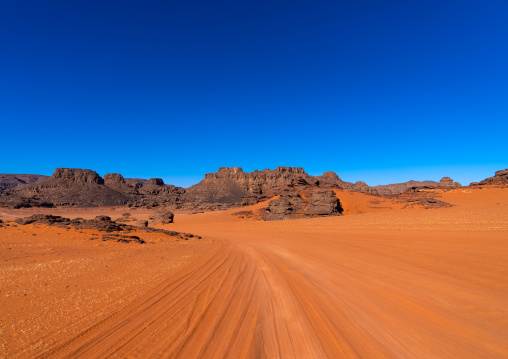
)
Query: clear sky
[{"x": 380, "y": 91}]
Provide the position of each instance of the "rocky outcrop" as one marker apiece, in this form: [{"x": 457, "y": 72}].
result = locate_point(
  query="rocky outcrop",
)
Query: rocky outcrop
[
  {"x": 286, "y": 206},
  {"x": 323, "y": 203},
  {"x": 294, "y": 205},
  {"x": 234, "y": 186},
  {"x": 500, "y": 178}
]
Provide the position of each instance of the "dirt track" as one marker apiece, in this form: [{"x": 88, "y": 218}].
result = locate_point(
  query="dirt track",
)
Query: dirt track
[{"x": 342, "y": 287}]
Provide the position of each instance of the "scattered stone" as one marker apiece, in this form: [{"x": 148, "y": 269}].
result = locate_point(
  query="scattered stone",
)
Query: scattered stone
[{"x": 122, "y": 238}]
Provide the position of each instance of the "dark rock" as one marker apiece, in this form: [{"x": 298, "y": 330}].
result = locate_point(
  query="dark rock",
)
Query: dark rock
[
  {"x": 102, "y": 219},
  {"x": 161, "y": 217}
]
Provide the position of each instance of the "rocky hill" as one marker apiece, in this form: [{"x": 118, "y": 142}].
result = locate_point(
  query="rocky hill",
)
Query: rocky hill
[
  {"x": 15, "y": 181},
  {"x": 83, "y": 187}
]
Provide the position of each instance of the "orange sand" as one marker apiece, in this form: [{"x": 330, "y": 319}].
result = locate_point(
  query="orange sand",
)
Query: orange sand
[{"x": 388, "y": 283}]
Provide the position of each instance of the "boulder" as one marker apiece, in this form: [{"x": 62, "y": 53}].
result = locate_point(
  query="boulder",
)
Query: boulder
[
  {"x": 324, "y": 203},
  {"x": 142, "y": 224},
  {"x": 288, "y": 205},
  {"x": 161, "y": 217}
]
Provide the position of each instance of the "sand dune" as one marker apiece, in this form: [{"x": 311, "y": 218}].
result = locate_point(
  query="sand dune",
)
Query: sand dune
[{"x": 383, "y": 284}]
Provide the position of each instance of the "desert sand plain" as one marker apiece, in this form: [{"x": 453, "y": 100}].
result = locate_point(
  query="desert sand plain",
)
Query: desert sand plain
[{"x": 378, "y": 282}]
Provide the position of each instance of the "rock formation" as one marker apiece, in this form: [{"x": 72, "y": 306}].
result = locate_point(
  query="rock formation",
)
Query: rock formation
[
  {"x": 231, "y": 185},
  {"x": 447, "y": 182},
  {"x": 323, "y": 203},
  {"x": 294, "y": 205},
  {"x": 223, "y": 189},
  {"x": 500, "y": 178},
  {"x": 77, "y": 175}
]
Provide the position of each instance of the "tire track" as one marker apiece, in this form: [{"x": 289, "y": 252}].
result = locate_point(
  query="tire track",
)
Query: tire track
[{"x": 171, "y": 290}]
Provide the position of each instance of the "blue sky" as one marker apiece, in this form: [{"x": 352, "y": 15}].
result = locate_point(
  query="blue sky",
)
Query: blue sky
[{"x": 380, "y": 91}]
